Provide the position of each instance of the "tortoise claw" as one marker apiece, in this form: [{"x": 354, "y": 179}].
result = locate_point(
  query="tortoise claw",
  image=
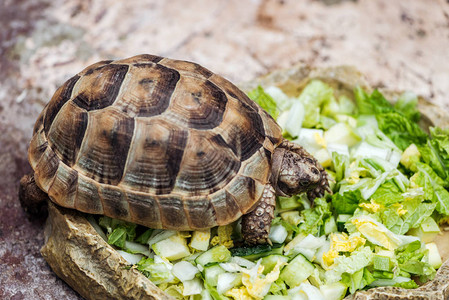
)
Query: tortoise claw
[{"x": 321, "y": 188}]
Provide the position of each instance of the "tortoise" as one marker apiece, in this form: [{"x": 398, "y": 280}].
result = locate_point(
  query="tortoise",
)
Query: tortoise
[{"x": 166, "y": 144}]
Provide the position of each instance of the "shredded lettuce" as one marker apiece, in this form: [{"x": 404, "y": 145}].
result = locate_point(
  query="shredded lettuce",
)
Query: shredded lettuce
[
  {"x": 389, "y": 178},
  {"x": 259, "y": 96},
  {"x": 347, "y": 202},
  {"x": 315, "y": 95},
  {"x": 315, "y": 216}
]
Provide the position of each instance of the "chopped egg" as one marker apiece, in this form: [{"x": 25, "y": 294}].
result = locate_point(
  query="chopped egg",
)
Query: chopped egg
[
  {"x": 223, "y": 237},
  {"x": 400, "y": 209},
  {"x": 372, "y": 207},
  {"x": 329, "y": 258},
  {"x": 341, "y": 242},
  {"x": 255, "y": 284},
  {"x": 376, "y": 232},
  {"x": 344, "y": 243},
  {"x": 320, "y": 140},
  {"x": 238, "y": 293}
]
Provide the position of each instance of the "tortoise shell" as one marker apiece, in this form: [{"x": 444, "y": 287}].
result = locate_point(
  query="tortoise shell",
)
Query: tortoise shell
[{"x": 159, "y": 142}]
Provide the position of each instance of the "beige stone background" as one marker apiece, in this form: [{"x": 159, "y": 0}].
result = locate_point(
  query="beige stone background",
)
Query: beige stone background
[{"x": 397, "y": 44}]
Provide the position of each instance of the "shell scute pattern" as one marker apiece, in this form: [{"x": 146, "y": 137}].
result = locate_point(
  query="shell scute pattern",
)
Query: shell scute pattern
[
  {"x": 157, "y": 151},
  {"x": 148, "y": 91},
  {"x": 199, "y": 105},
  {"x": 159, "y": 142},
  {"x": 99, "y": 88},
  {"x": 106, "y": 144}
]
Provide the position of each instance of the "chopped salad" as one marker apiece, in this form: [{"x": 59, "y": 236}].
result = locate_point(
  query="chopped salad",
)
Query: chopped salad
[{"x": 390, "y": 198}]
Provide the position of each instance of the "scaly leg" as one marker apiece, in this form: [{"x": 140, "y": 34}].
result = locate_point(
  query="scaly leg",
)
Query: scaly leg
[
  {"x": 256, "y": 224},
  {"x": 32, "y": 198}
]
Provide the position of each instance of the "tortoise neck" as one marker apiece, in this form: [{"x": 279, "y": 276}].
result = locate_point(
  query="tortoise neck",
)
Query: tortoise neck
[{"x": 276, "y": 166}]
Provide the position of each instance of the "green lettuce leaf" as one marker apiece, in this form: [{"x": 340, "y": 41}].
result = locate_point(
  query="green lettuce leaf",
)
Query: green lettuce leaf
[
  {"x": 440, "y": 140},
  {"x": 358, "y": 280},
  {"x": 417, "y": 212},
  {"x": 314, "y": 217},
  {"x": 435, "y": 152},
  {"x": 118, "y": 231},
  {"x": 374, "y": 103},
  {"x": 391, "y": 219},
  {"x": 440, "y": 194},
  {"x": 367, "y": 186},
  {"x": 431, "y": 157},
  {"x": 362, "y": 101},
  {"x": 157, "y": 272},
  {"x": 407, "y": 105},
  {"x": 421, "y": 181},
  {"x": 411, "y": 259},
  {"x": 265, "y": 101},
  {"x": 400, "y": 129},
  {"x": 388, "y": 193},
  {"x": 430, "y": 173},
  {"x": 339, "y": 163},
  {"x": 314, "y": 96},
  {"x": 144, "y": 237},
  {"x": 407, "y": 284},
  {"x": 346, "y": 203},
  {"x": 358, "y": 259}
]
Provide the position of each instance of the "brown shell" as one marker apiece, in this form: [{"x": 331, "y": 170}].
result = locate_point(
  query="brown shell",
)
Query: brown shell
[{"x": 159, "y": 142}]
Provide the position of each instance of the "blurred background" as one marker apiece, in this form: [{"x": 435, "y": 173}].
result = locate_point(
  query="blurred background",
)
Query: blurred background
[{"x": 401, "y": 45}]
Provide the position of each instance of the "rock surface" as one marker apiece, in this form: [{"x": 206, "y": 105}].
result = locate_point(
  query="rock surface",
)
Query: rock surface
[{"x": 43, "y": 42}]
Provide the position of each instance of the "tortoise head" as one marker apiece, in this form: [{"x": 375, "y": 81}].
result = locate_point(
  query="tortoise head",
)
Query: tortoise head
[{"x": 295, "y": 171}]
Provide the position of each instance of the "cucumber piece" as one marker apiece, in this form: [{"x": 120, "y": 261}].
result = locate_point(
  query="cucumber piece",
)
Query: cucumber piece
[
  {"x": 256, "y": 252},
  {"x": 291, "y": 217},
  {"x": 214, "y": 255},
  {"x": 427, "y": 231},
  {"x": 341, "y": 133},
  {"x": 341, "y": 220},
  {"x": 184, "y": 270},
  {"x": 317, "y": 277},
  {"x": 211, "y": 273},
  {"x": 289, "y": 203},
  {"x": 192, "y": 287},
  {"x": 381, "y": 263},
  {"x": 278, "y": 234},
  {"x": 227, "y": 281},
  {"x": 330, "y": 225},
  {"x": 298, "y": 270},
  {"x": 333, "y": 291},
  {"x": 268, "y": 262},
  {"x": 383, "y": 274},
  {"x": 323, "y": 157},
  {"x": 291, "y": 245},
  {"x": 173, "y": 248},
  {"x": 341, "y": 149},
  {"x": 200, "y": 240},
  {"x": 434, "y": 255},
  {"x": 311, "y": 139},
  {"x": 323, "y": 249}
]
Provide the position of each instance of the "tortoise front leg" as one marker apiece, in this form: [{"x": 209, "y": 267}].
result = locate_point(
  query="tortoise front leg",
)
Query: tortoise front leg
[
  {"x": 32, "y": 198},
  {"x": 256, "y": 224}
]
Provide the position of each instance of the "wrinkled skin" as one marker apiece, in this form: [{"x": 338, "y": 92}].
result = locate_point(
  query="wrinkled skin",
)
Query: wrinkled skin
[{"x": 294, "y": 171}]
